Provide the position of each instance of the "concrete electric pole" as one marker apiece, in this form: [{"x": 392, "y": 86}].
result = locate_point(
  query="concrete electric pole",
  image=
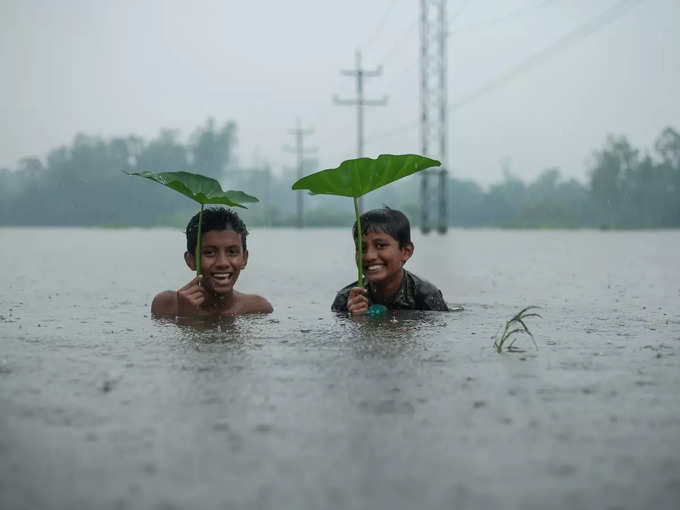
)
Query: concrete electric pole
[
  {"x": 299, "y": 134},
  {"x": 360, "y": 102}
]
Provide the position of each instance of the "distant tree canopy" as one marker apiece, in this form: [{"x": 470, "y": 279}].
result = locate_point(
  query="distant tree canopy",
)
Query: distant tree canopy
[
  {"x": 83, "y": 184},
  {"x": 630, "y": 190},
  {"x": 211, "y": 149}
]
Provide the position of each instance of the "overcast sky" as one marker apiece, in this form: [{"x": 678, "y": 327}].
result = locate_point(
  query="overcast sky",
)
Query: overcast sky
[{"x": 564, "y": 74}]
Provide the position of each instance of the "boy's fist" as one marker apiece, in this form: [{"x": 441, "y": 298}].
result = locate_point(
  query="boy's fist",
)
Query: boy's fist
[
  {"x": 190, "y": 297},
  {"x": 357, "y": 302}
]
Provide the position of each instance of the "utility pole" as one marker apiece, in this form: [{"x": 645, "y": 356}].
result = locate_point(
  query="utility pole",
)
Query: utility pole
[
  {"x": 360, "y": 102},
  {"x": 433, "y": 123},
  {"x": 299, "y": 134}
]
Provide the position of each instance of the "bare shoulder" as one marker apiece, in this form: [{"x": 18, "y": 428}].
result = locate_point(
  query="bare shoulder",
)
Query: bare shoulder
[
  {"x": 253, "y": 303},
  {"x": 165, "y": 303}
]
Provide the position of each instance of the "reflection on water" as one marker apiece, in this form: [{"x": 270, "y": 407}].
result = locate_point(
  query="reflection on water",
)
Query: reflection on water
[
  {"x": 210, "y": 330},
  {"x": 395, "y": 332},
  {"x": 200, "y": 333}
]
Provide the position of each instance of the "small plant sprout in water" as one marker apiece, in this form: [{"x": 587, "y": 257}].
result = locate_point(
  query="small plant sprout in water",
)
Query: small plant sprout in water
[
  {"x": 201, "y": 189},
  {"x": 356, "y": 177},
  {"x": 515, "y": 326}
]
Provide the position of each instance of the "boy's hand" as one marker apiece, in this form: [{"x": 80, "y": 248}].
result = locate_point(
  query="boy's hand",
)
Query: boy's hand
[
  {"x": 357, "y": 302},
  {"x": 190, "y": 297}
]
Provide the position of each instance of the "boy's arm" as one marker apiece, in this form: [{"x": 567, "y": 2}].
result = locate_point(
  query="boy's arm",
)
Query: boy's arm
[
  {"x": 340, "y": 302},
  {"x": 351, "y": 299},
  {"x": 435, "y": 301},
  {"x": 185, "y": 301}
]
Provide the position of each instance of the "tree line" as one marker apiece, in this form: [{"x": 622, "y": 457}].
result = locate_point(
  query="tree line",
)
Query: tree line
[{"x": 84, "y": 184}]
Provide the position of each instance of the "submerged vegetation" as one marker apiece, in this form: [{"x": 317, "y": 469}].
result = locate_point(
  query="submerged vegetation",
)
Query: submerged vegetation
[{"x": 515, "y": 326}]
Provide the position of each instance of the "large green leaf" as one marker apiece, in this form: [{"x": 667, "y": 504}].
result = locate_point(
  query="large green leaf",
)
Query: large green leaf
[
  {"x": 356, "y": 177},
  {"x": 200, "y": 188}
]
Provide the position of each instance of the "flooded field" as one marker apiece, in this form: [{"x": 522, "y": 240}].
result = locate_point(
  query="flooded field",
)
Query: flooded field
[{"x": 102, "y": 407}]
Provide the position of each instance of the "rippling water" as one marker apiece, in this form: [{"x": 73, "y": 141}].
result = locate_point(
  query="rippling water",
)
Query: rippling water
[{"x": 103, "y": 407}]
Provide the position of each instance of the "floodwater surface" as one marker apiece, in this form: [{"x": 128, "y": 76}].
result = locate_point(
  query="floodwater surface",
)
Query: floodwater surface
[{"x": 102, "y": 406}]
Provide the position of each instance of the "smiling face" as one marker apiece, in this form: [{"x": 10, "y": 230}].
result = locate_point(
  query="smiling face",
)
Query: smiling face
[
  {"x": 383, "y": 258},
  {"x": 222, "y": 259}
]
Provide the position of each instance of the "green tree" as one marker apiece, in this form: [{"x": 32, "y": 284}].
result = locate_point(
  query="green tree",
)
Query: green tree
[
  {"x": 504, "y": 201},
  {"x": 667, "y": 146},
  {"x": 611, "y": 177},
  {"x": 212, "y": 148}
]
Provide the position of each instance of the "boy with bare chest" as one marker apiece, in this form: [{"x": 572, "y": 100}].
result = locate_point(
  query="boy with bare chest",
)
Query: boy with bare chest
[{"x": 223, "y": 256}]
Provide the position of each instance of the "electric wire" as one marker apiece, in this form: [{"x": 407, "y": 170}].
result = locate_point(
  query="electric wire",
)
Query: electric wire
[
  {"x": 508, "y": 16},
  {"x": 606, "y": 17},
  {"x": 378, "y": 31},
  {"x": 519, "y": 11},
  {"x": 459, "y": 12}
]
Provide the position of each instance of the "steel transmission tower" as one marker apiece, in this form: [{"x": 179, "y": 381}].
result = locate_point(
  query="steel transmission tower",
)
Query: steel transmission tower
[
  {"x": 360, "y": 102},
  {"x": 433, "y": 123}
]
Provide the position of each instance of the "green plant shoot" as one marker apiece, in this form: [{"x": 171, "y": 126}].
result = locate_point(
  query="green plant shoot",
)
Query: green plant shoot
[
  {"x": 515, "y": 325},
  {"x": 356, "y": 177},
  {"x": 201, "y": 189}
]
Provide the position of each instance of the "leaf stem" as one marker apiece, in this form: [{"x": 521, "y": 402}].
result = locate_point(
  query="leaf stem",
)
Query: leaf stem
[
  {"x": 360, "y": 244},
  {"x": 197, "y": 254}
]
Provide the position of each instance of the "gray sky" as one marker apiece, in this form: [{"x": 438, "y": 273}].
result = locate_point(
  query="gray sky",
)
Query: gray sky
[{"x": 134, "y": 66}]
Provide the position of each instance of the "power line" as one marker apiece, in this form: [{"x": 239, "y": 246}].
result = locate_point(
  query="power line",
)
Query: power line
[
  {"x": 374, "y": 37},
  {"x": 394, "y": 131},
  {"x": 460, "y": 10},
  {"x": 606, "y": 17},
  {"x": 411, "y": 28},
  {"x": 403, "y": 38},
  {"x": 519, "y": 11},
  {"x": 406, "y": 33},
  {"x": 378, "y": 31},
  {"x": 370, "y": 41},
  {"x": 589, "y": 28}
]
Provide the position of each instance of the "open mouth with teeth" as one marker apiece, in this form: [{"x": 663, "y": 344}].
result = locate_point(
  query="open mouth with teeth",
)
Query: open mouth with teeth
[
  {"x": 222, "y": 278},
  {"x": 373, "y": 268}
]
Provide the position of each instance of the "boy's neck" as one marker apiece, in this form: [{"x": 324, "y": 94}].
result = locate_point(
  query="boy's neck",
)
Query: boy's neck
[
  {"x": 384, "y": 292},
  {"x": 219, "y": 302}
]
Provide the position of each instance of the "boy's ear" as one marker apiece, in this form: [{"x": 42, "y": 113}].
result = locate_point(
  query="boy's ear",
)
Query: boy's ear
[
  {"x": 407, "y": 252},
  {"x": 245, "y": 259},
  {"x": 190, "y": 260}
]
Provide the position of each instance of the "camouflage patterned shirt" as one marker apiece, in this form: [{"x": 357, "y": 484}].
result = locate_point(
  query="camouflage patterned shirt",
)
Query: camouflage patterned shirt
[{"x": 414, "y": 294}]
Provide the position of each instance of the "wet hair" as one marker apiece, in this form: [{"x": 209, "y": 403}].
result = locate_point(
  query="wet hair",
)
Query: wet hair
[
  {"x": 389, "y": 221},
  {"x": 215, "y": 218}
]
